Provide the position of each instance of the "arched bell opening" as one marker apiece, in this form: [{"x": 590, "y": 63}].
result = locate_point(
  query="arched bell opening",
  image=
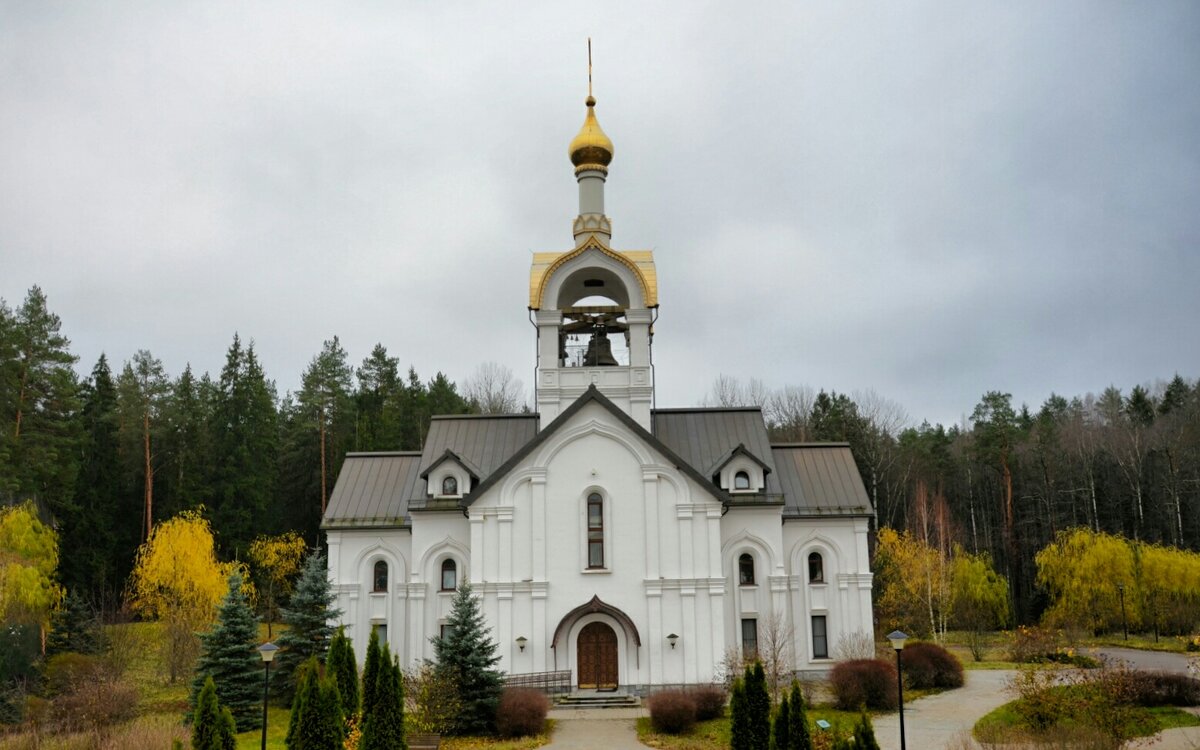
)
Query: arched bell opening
[{"x": 594, "y": 331}]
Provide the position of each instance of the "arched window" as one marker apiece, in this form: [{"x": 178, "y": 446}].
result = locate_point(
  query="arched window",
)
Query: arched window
[
  {"x": 595, "y": 530},
  {"x": 449, "y": 575},
  {"x": 380, "y": 576},
  {"x": 449, "y": 486},
  {"x": 746, "y": 570},
  {"x": 816, "y": 568},
  {"x": 741, "y": 481}
]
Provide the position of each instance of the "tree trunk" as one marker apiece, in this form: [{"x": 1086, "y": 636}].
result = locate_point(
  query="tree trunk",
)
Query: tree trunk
[
  {"x": 149, "y": 493},
  {"x": 321, "y": 416}
]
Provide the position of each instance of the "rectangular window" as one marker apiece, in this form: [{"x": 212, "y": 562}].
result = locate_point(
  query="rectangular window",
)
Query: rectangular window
[
  {"x": 380, "y": 629},
  {"x": 446, "y": 631},
  {"x": 820, "y": 640},
  {"x": 595, "y": 532},
  {"x": 749, "y": 638}
]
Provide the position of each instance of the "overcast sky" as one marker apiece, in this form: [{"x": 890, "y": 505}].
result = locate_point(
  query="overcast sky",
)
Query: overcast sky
[{"x": 930, "y": 200}]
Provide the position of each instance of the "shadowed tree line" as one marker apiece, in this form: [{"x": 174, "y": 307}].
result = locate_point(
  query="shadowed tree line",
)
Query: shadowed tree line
[
  {"x": 1012, "y": 477},
  {"x": 109, "y": 455}
]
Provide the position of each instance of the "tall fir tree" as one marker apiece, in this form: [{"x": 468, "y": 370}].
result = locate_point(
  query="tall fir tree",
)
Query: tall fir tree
[
  {"x": 370, "y": 675},
  {"x": 142, "y": 394},
  {"x": 308, "y": 616},
  {"x": 341, "y": 664},
  {"x": 780, "y": 739},
  {"x": 798, "y": 733},
  {"x": 316, "y": 722},
  {"x": 864, "y": 734},
  {"x": 74, "y": 628},
  {"x": 758, "y": 706},
  {"x": 212, "y": 724},
  {"x": 378, "y": 383},
  {"x": 467, "y": 655},
  {"x": 228, "y": 656},
  {"x": 383, "y": 727},
  {"x": 739, "y": 718}
]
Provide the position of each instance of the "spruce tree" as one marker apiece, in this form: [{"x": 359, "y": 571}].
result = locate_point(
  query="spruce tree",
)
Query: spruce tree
[
  {"x": 758, "y": 706},
  {"x": 370, "y": 674},
  {"x": 739, "y": 718},
  {"x": 74, "y": 628},
  {"x": 228, "y": 657},
  {"x": 309, "y": 617},
  {"x": 212, "y": 725},
  {"x": 340, "y": 663},
  {"x": 799, "y": 734},
  {"x": 383, "y": 728},
  {"x": 467, "y": 655},
  {"x": 782, "y": 726}
]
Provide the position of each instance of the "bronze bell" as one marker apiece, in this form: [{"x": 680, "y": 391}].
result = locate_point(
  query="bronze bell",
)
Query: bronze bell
[{"x": 599, "y": 352}]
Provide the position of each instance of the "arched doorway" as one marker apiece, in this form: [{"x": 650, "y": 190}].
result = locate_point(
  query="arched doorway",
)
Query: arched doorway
[{"x": 596, "y": 654}]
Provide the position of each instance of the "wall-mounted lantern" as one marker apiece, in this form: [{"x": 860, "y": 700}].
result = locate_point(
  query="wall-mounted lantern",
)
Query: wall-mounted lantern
[
  {"x": 521, "y": 641},
  {"x": 672, "y": 639}
]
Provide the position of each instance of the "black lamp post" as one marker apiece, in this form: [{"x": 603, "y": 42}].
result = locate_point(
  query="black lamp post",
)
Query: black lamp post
[
  {"x": 1124, "y": 622},
  {"x": 267, "y": 652},
  {"x": 897, "y": 638}
]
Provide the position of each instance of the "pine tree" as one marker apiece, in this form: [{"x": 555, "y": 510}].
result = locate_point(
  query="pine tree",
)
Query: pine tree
[
  {"x": 370, "y": 674},
  {"x": 798, "y": 733},
  {"x": 74, "y": 628},
  {"x": 340, "y": 663},
  {"x": 758, "y": 706},
  {"x": 781, "y": 740},
  {"x": 212, "y": 725},
  {"x": 864, "y": 734},
  {"x": 383, "y": 728},
  {"x": 739, "y": 718},
  {"x": 467, "y": 655},
  {"x": 309, "y": 617},
  {"x": 229, "y": 658},
  {"x": 316, "y": 722}
]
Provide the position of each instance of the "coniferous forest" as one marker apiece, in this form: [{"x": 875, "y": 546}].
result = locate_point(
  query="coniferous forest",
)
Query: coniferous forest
[{"x": 109, "y": 454}]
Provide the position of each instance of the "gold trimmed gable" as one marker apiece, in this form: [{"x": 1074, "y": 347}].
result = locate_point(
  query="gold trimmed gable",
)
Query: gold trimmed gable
[{"x": 641, "y": 262}]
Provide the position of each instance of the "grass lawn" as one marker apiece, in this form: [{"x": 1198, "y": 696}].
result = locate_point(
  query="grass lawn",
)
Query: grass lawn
[
  {"x": 277, "y": 724},
  {"x": 1005, "y": 724}
]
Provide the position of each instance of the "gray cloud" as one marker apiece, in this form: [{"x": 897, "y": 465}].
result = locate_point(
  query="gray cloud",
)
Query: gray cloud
[{"x": 927, "y": 200}]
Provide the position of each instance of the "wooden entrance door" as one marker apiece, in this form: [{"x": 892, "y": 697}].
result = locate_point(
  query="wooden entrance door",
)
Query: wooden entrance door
[{"x": 597, "y": 657}]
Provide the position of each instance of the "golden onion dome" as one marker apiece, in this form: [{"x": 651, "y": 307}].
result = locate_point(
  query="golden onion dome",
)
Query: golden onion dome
[{"x": 591, "y": 149}]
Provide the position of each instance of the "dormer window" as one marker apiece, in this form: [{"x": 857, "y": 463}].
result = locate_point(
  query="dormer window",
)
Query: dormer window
[
  {"x": 450, "y": 486},
  {"x": 741, "y": 482}
]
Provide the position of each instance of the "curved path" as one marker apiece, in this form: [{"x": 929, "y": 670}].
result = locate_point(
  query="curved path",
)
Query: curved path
[{"x": 941, "y": 720}]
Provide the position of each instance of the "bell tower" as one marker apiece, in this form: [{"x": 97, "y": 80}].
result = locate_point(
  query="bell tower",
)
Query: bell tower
[{"x": 593, "y": 305}]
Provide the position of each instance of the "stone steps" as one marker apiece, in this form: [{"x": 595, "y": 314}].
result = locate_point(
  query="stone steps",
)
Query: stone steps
[{"x": 591, "y": 699}]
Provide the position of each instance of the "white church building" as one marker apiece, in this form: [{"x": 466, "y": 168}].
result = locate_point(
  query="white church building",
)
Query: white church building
[{"x": 630, "y": 545}]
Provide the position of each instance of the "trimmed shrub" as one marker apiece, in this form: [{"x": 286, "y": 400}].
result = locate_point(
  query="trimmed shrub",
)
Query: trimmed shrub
[
  {"x": 928, "y": 665},
  {"x": 522, "y": 712},
  {"x": 869, "y": 683},
  {"x": 672, "y": 711},
  {"x": 1150, "y": 689},
  {"x": 710, "y": 701}
]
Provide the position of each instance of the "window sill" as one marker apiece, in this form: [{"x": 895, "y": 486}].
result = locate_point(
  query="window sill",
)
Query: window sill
[
  {"x": 378, "y": 593},
  {"x": 595, "y": 571},
  {"x": 446, "y": 591}
]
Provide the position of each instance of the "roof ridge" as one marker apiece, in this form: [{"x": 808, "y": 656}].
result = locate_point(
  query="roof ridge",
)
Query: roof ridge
[
  {"x": 365, "y": 454},
  {"x": 813, "y": 444},
  {"x": 531, "y": 415},
  {"x": 695, "y": 409}
]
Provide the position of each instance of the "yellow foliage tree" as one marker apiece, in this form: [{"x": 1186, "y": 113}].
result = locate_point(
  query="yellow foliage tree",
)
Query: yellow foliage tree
[
  {"x": 277, "y": 561},
  {"x": 28, "y": 561},
  {"x": 979, "y": 597},
  {"x": 914, "y": 584},
  {"x": 1087, "y": 574},
  {"x": 177, "y": 579}
]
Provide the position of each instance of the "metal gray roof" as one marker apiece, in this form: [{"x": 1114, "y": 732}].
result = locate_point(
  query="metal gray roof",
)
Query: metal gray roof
[
  {"x": 705, "y": 438},
  {"x": 820, "y": 479},
  {"x": 372, "y": 490},
  {"x": 483, "y": 443}
]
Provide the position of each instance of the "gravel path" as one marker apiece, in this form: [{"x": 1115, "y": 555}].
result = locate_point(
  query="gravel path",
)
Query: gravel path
[
  {"x": 596, "y": 729},
  {"x": 940, "y": 720}
]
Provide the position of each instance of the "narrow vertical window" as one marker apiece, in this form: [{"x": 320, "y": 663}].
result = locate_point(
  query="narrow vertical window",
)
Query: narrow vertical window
[
  {"x": 816, "y": 568},
  {"x": 449, "y": 486},
  {"x": 746, "y": 570},
  {"x": 749, "y": 638},
  {"x": 380, "y": 629},
  {"x": 595, "y": 530},
  {"x": 819, "y": 638},
  {"x": 380, "y": 576},
  {"x": 449, "y": 575},
  {"x": 741, "y": 481}
]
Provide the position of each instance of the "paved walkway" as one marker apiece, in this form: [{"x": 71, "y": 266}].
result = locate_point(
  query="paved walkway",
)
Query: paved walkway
[
  {"x": 593, "y": 729},
  {"x": 942, "y": 720}
]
